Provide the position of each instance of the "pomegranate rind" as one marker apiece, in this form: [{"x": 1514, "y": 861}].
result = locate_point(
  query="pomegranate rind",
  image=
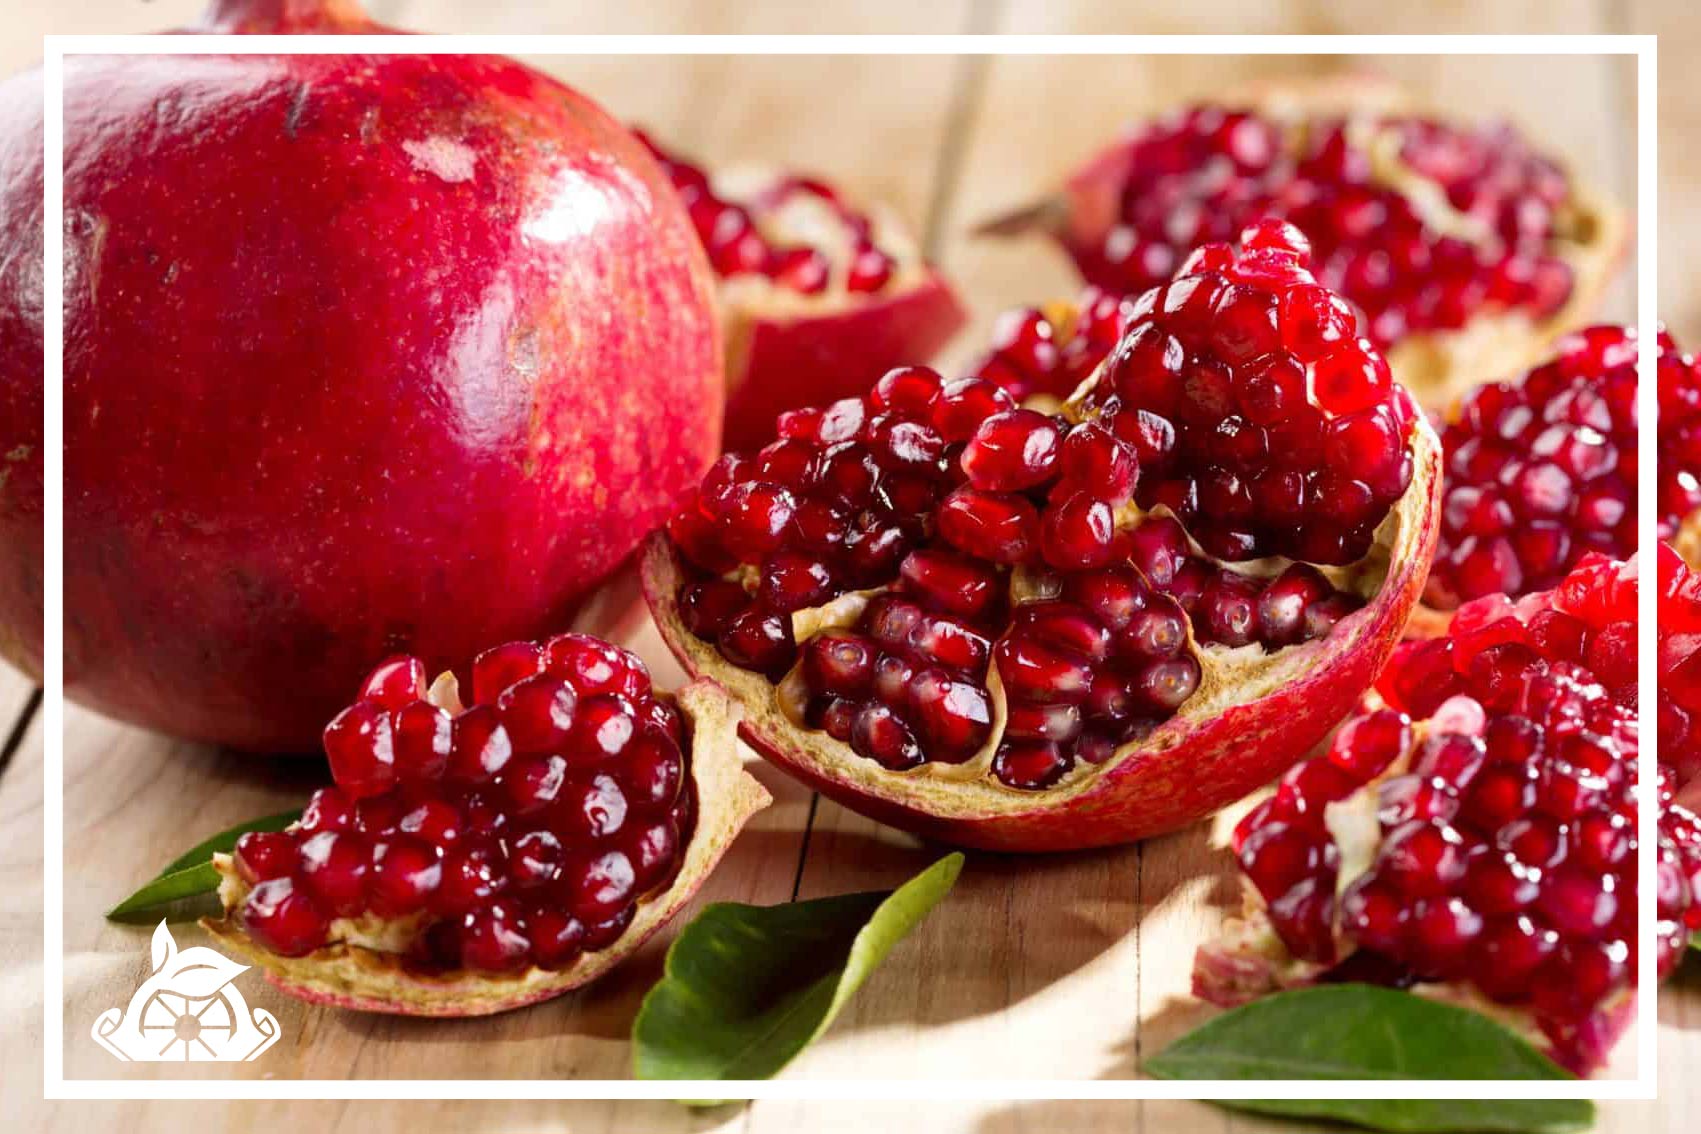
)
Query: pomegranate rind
[
  {"x": 843, "y": 342},
  {"x": 1253, "y": 715},
  {"x": 1436, "y": 366},
  {"x": 367, "y": 980}
]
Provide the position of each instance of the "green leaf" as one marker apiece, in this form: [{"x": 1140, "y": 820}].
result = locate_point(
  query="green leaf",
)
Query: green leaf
[
  {"x": 1354, "y": 1031},
  {"x": 748, "y": 987},
  {"x": 174, "y": 890}
]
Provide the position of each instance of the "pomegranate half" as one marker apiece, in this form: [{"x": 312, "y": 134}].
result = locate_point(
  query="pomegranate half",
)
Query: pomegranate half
[
  {"x": 1474, "y": 835},
  {"x": 810, "y": 285},
  {"x": 1466, "y": 249},
  {"x": 363, "y": 356},
  {"x": 475, "y": 859},
  {"x": 1020, "y": 630}
]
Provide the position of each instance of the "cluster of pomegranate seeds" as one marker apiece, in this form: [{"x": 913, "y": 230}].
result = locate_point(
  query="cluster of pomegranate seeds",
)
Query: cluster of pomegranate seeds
[
  {"x": 1541, "y": 471},
  {"x": 1259, "y": 416},
  {"x": 737, "y": 238},
  {"x": 1679, "y": 719},
  {"x": 1680, "y": 436},
  {"x": 1200, "y": 175},
  {"x": 1041, "y": 353},
  {"x": 1507, "y": 814},
  {"x": 949, "y": 498},
  {"x": 522, "y": 831}
]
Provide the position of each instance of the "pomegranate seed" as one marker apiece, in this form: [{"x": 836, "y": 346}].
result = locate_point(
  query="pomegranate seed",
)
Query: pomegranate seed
[
  {"x": 395, "y": 682},
  {"x": 260, "y": 855},
  {"x": 537, "y": 713},
  {"x": 1012, "y": 450},
  {"x": 423, "y": 739},
  {"x": 283, "y": 919},
  {"x": 333, "y": 872},
  {"x": 493, "y": 939},
  {"x": 359, "y": 745},
  {"x": 405, "y": 872},
  {"x": 496, "y": 669}
]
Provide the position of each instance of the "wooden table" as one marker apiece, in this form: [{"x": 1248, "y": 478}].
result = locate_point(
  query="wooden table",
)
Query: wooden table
[{"x": 1069, "y": 967}]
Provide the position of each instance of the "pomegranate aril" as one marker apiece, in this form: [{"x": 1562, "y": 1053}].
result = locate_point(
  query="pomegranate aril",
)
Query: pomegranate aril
[
  {"x": 878, "y": 733},
  {"x": 557, "y": 938},
  {"x": 405, "y": 873},
  {"x": 333, "y": 871},
  {"x": 260, "y": 855},
  {"x": 481, "y": 746},
  {"x": 596, "y": 887},
  {"x": 329, "y": 809},
  {"x": 493, "y": 939},
  {"x": 537, "y": 713},
  {"x": 472, "y": 873},
  {"x": 652, "y": 772},
  {"x": 499, "y": 667},
  {"x": 1013, "y": 450},
  {"x": 283, "y": 919},
  {"x": 998, "y": 527},
  {"x": 1029, "y": 765},
  {"x": 423, "y": 739},
  {"x": 360, "y": 747},
  {"x": 395, "y": 682},
  {"x": 759, "y": 640}
]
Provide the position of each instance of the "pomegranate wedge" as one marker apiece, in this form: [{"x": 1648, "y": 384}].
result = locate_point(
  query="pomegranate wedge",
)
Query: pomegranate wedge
[
  {"x": 475, "y": 859},
  {"x": 1466, "y": 248},
  {"x": 1034, "y": 631},
  {"x": 818, "y": 297}
]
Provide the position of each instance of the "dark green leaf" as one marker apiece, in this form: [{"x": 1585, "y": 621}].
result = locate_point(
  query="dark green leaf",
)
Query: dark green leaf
[
  {"x": 189, "y": 876},
  {"x": 1351, "y": 1031},
  {"x": 748, "y": 987}
]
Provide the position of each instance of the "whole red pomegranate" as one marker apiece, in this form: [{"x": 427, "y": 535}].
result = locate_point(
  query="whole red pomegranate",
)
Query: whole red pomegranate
[{"x": 364, "y": 354}]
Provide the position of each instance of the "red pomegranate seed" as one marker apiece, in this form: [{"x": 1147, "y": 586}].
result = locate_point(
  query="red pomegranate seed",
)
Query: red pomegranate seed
[
  {"x": 395, "y": 682},
  {"x": 1013, "y": 450},
  {"x": 423, "y": 741},
  {"x": 493, "y": 938},
  {"x": 537, "y": 713},
  {"x": 283, "y": 919},
  {"x": 496, "y": 669},
  {"x": 333, "y": 871},
  {"x": 359, "y": 745},
  {"x": 260, "y": 855}
]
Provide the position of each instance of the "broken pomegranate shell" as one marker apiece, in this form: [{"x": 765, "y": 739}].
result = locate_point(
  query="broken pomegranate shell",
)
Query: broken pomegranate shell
[
  {"x": 1473, "y": 835},
  {"x": 474, "y": 859},
  {"x": 1466, "y": 249},
  {"x": 1680, "y": 449},
  {"x": 1020, "y": 630},
  {"x": 810, "y": 284}
]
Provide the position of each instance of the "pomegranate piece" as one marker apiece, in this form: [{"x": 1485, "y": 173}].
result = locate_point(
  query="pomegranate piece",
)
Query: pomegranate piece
[
  {"x": 1490, "y": 814},
  {"x": 939, "y": 603},
  {"x": 374, "y": 211},
  {"x": 1680, "y": 448},
  {"x": 1541, "y": 471},
  {"x": 1465, "y": 248},
  {"x": 809, "y": 283},
  {"x": 478, "y": 884}
]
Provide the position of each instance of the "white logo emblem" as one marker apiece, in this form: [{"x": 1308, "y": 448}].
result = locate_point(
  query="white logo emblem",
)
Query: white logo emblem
[{"x": 187, "y": 1011}]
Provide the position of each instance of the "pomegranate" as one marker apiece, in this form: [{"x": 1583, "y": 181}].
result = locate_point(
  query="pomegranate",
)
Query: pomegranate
[
  {"x": 1680, "y": 449},
  {"x": 1679, "y": 719},
  {"x": 1466, "y": 249},
  {"x": 357, "y": 362},
  {"x": 471, "y": 860},
  {"x": 809, "y": 285},
  {"x": 1474, "y": 834},
  {"x": 1023, "y": 630},
  {"x": 1541, "y": 471}
]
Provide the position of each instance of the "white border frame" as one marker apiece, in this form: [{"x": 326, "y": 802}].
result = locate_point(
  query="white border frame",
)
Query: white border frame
[{"x": 56, "y": 47}]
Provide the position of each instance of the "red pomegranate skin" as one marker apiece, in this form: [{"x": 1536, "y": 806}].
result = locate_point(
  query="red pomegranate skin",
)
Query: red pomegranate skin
[{"x": 363, "y": 355}]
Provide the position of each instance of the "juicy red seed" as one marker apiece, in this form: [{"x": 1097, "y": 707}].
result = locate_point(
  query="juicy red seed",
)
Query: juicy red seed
[
  {"x": 964, "y": 404},
  {"x": 1078, "y": 533},
  {"x": 1036, "y": 672},
  {"x": 869, "y": 271},
  {"x": 950, "y": 583},
  {"x": 1029, "y": 765},
  {"x": 1166, "y": 685},
  {"x": 760, "y": 641},
  {"x": 494, "y": 940},
  {"x": 1509, "y": 952},
  {"x": 653, "y": 852},
  {"x": 879, "y": 734},
  {"x": 707, "y": 607},
  {"x": 1375, "y": 916},
  {"x": 1422, "y": 859},
  {"x": 1012, "y": 450},
  {"x": 1366, "y": 745},
  {"x": 328, "y": 810},
  {"x": 260, "y": 855},
  {"x": 557, "y": 938},
  {"x": 652, "y": 772},
  {"x": 953, "y": 717},
  {"x": 753, "y": 517},
  {"x": 1096, "y": 460},
  {"x": 283, "y": 919},
  {"x": 535, "y": 859},
  {"x": 908, "y": 389},
  {"x": 597, "y": 887},
  {"x": 333, "y": 871},
  {"x": 501, "y": 666},
  {"x": 593, "y": 666},
  {"x": 1277, "y": 857},
  {"x": 423, "y": 741},
  {"x": 605, "y": 725},
  {"x": 792, "y": 580},
  {"x": 839, "y": 663},
  {"x": 533, "y": 783},
  {"x": 405, "y": 872},
  {"x": 359, "y": 745},
  {"x": 395, "y": 682},
  {"x": 1000, "y": 527},
  {"x": 537, "y": 713},
  {"x": 591, "y": 809},
  {"x": 472, "y": 874},
  {"x": 482, "y": 747}
]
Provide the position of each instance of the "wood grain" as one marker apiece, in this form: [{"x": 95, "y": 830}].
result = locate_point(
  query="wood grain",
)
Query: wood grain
[{"x": 1072, "y": 966}]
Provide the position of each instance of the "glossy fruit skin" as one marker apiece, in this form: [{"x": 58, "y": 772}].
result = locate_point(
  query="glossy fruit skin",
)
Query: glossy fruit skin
[{"x": 426, "y": 283}]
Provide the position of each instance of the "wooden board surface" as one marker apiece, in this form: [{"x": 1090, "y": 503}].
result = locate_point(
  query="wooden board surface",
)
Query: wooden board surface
[{"x": 1069, "y": 967}]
